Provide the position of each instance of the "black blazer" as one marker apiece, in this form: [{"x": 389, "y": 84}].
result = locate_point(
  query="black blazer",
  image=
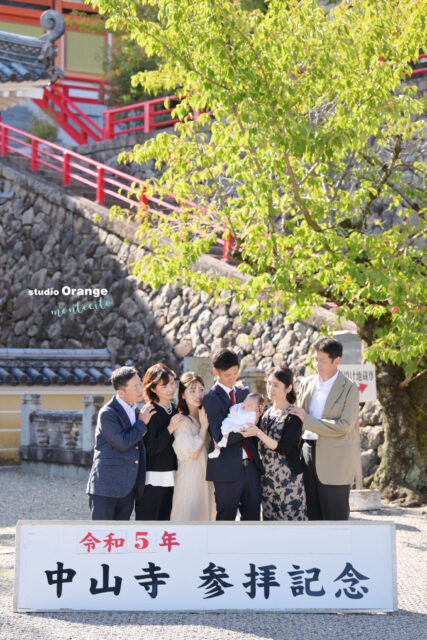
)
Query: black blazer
[
  {"x": 158, "y": 442},
  {"x": 227, "y": 467}
]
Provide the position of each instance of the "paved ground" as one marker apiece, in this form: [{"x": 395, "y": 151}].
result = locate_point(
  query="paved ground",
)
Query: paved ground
[{"x": 25, "y": 496}]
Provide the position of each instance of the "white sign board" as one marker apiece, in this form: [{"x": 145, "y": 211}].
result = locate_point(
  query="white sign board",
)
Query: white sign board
[
  {"x": 142, "y": 566},
  {"x": 364, "y": 376}
]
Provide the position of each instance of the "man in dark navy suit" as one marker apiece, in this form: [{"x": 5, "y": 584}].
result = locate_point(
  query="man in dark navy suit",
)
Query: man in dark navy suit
[
  {"x": 118, "y": 469},
  {"x": 236, "y": 472}
]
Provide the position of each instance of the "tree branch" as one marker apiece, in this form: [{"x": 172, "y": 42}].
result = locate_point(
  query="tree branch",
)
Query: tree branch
[
  {"x": 305, "y": 212},
  {"x": 378, "y": 186},
  {"x": 308, "y": 174},
  {"x": 412, "y": 377}
]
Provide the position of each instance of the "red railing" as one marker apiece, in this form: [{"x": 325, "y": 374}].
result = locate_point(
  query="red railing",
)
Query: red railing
[
  {"x": 62, "y": 98},
  {"x": 421, "y": 58},
  {"x": 103, "y": 180},
  {"x": 61, "y": 101},
  {"x": 152, "y": 118}
]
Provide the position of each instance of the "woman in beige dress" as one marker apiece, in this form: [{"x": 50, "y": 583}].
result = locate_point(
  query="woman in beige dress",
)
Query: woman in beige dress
[{"x": 192, "y": 498}]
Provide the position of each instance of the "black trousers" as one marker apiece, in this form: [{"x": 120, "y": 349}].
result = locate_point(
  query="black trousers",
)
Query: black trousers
[
  {"x": 243, "y": 494},
  {"x": 105, "y": 508},
  {"x": 154, "y": 504},
  {"x": 324, "y": 501}
]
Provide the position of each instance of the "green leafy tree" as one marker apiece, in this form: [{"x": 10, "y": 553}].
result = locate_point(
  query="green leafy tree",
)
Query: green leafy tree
[
  {"x": 307, "y": 149},
  {"x": 127, "y": 60}
]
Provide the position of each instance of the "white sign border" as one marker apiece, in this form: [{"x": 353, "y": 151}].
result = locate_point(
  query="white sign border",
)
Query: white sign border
[{"x": 87, "y": 523}]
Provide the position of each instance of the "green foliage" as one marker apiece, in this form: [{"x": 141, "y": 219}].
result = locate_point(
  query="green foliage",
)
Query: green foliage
[
  {"x": 42, "y": 128},
  {"x": 305, "y": 126},
  {"x": 127, "y": 61}
]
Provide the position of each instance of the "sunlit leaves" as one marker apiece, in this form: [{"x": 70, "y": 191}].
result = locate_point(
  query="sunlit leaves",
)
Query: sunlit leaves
[{"x": 303, "y": 125}]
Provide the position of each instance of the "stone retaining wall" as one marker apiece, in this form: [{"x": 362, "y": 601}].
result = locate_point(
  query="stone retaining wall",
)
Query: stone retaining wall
[{"x": 49, "y": 239}]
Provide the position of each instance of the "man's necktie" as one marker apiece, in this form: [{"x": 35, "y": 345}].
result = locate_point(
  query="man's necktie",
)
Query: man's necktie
[{"x": 244, "y": 445}]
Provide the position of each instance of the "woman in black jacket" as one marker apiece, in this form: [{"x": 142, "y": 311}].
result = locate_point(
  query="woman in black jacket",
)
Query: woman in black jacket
[
  {"x": 283, "y": 496},
  {"x": 156, "y": 501}
]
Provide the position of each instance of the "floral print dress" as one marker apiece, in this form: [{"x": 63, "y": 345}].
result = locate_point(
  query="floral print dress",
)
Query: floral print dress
[{"x": 283, "y": 495}]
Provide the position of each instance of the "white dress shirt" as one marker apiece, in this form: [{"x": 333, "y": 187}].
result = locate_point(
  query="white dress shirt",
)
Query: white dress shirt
[
  {"x": 130, "y": 410},
  {"x": 318, "y": 401},
  {"x": 227, "y": 391}
]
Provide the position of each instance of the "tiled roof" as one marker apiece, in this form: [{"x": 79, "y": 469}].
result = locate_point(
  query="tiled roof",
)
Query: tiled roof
[
  {"x": 26, "y": 59},
  {"x": 55, "y": 366}
]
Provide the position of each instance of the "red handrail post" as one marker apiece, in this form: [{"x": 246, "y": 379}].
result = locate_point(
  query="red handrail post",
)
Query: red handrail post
[
  {"x": 34, "y": 155},
  {"x": 45, "y": 99},
  {"x": 63, "y": 106},
  {"x": 66, "y": 170},
  {"x": 143, "y": 201},
  {"x": 4, "y": 140},
  {"x": 227, "y": 247},
  {"x": 100, "y": 183},
  {"x": 108, "y": 125},
  {"x": 147, "y": 123}
]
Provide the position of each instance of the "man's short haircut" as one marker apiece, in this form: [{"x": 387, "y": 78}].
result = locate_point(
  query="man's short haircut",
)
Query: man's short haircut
[
  {"x": 121, "y": 376},
  {"x": 256, "y": 396},
  {"x": 224, "y": 359},
  {"x": 157, "y": 374},
  {"x": 330, "y": 346}
]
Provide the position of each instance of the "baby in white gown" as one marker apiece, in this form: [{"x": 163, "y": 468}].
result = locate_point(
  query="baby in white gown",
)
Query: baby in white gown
[{"x": 240, "y": 416}]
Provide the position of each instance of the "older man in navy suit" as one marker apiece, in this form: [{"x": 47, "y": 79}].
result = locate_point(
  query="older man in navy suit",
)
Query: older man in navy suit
[
  {"x": 118, "y": 469},
  {"x": 236, "y": 472}
]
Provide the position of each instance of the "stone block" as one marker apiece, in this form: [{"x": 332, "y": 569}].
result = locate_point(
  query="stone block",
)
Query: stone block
[
  {"x": 220, "y": 326},
  {"x": 365, "y": 499},
  {"x": 202, "y": 350},
  {"x": 369, "y": 461},
  {"x": 248, "y": 362},
  {"x": 244, "y": 342},
  {"x": 286, "y": 343},
  {"x": 371, "y": 414},
  {"x": 371, "y": 437},
  {"x": 38, "y": 279},
  {"x": 202, "y": 366},
  {"x": 129, "y": 309},
  {"x": 201, "y": 316},
  {"x": 183, "y": 348},
  {"x": 28, "y": 217},
  {"x": 23, "y": 307}
]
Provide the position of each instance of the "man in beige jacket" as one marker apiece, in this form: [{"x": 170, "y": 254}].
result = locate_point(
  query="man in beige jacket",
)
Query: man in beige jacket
[{"x": 328, "y": 406}]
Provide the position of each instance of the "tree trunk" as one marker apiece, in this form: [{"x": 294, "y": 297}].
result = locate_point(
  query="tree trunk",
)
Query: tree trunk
[{"x": 402, "y": 473}]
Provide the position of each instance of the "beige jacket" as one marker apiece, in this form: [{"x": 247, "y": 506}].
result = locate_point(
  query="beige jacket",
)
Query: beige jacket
[{"x": 336, "y": 429}]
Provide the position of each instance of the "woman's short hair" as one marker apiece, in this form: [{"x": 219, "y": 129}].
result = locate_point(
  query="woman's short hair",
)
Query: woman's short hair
[
  {"x": 186, "y": 381},
  {"x": 158, "y": 373},
  {"x": 285, "y": 375}
]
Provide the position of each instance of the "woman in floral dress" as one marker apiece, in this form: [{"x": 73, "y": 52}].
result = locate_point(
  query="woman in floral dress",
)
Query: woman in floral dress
[{"x": 283, "y": 496}]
